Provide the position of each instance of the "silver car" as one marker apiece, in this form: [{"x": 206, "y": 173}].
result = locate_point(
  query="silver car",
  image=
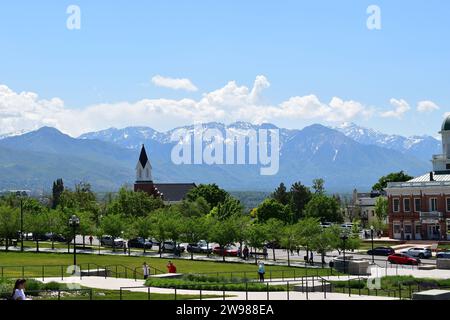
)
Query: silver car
[{"x": 422, "y": 253}]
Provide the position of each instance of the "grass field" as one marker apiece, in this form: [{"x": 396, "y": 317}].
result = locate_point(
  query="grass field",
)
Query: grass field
[{"x": 50, "y": 264}]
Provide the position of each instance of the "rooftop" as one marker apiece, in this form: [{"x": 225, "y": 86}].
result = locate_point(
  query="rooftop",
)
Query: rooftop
[
  {"x": 438, "y": 180},
  {"x": 446, "y": 124}
]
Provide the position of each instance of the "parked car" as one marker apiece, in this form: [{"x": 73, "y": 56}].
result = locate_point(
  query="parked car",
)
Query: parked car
[
  {"x": 140, "y": 243},
  {"x": 200, "y": 247},
  {"x": 443, "y": 255},
  {"x": 422, "y": 253},
  {"x": 169, "y": 246},
  {"x": 326, "y": 224},
  {"x": 272, "y": 245},
  {"x": 155, "y": 242},
  {"x": 107, "y": 241},
  {"x": 401, "y": 258},
  {"x": 381, "y": 251},
  {"x": 230, "y": 251}
]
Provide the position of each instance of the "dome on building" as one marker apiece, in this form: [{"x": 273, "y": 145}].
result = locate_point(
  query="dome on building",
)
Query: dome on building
[{"x": 446, "y": 124}]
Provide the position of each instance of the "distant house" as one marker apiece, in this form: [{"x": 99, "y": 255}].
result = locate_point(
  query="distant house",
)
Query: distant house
[
  {"x": 169, "y": 192},
  {"x": 363, "y": 206},
  {"x": 420, "y": 208}
]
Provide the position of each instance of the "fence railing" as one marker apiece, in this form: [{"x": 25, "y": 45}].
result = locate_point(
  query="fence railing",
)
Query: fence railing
[{"x": 82, "y": 270}]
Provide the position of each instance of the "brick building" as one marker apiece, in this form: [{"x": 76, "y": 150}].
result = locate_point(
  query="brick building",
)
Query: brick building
[{"x": 419, "y": 209}]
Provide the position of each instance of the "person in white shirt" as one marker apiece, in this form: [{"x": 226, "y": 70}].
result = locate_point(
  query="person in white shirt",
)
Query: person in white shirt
[
  {"x": 19, "y": 290},
  {"x": 146, "y": 270}
]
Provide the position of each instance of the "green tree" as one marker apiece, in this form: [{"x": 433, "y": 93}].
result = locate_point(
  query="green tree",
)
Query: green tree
[
  {"x": 318, "y": 186},
  {"x": 281, "y": 195},
  {"x": 308, "y": 229},
  {"x": 195, "y": 229},
  {"x": 324, "y": 208},
  {"x": 9, "y": 224},
  {"x": 242, "y": 223},
  {"x": 256, "y": 236},
  {"x": 381, "y": 208},
  {"x": 134, "y": 204},
  {"x": 159, "y": 228},
  {"x": 274, "y": 233},
  {"x": 325, "y": 241},
  {"x": 272, "y": 209},
  {"x": 392, "y": 177},
  {"x": 223, "y": 233},
  {"x": 58, "y": 189},
  {"x": 197, "y": 208},
  {"x": 37, "y": 224},
  {"x": 229, "y": 207},
  {"x": 113, "y": 225},
  {"x": 290, "y": 240},
  {"x": 86, "y": 227},
  {"x": 210, "y": 192},
  {"x": 53, "y": 225},
  {"x": 141, "y": 227},
  {"x": 300, "y": 196}
]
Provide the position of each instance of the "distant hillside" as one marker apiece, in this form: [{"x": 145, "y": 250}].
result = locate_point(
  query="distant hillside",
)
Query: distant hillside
[{"x": 107, "y": 159}]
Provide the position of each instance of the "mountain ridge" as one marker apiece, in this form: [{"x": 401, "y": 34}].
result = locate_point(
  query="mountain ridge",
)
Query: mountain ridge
[{"x": 107, "y": 159}]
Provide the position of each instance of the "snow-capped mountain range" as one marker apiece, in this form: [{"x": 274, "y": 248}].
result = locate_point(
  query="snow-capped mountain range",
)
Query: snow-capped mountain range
[
  {"x": 346, "y": 157},
  {"x": 421, "y": 147}
]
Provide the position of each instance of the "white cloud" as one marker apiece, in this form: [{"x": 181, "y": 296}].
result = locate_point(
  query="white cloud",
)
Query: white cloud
[
  {"x": 427, "y": 106},
  {"x": 400, "y": 108},
  {"x": 172, "y": 83},
  {"x": 26, "y": 111}
]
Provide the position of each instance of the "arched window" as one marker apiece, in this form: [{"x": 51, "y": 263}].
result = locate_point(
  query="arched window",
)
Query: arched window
[
  {"x": 147, "y": 172},
  {"x": 140, "y": 173}
]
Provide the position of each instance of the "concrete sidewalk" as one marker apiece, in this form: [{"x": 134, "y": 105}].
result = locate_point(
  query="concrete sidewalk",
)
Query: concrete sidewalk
[{"x": 116, "y": 284}]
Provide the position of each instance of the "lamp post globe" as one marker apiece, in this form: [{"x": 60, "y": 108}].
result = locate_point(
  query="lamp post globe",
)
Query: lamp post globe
[{"x": 74, "y": 222}]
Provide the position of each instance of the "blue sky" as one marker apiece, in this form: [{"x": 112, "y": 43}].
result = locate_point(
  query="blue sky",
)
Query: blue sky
[{"x": 303, "y": 49}]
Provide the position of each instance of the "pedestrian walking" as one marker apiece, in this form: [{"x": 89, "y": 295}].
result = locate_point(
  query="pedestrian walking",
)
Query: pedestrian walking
[
  {"x": 91, "y": 239},
  {"x": 245, "y": 252},
  {"x": 171, "y": 267},
  {"x": 265, "y": 252},
  {"x": 261, "y": 271},
  {"x": 311, "y": 257},
  {"x": 146, "y": 270}
]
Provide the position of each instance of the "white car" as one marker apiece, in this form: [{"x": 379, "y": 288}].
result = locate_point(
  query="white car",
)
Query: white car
[
  {"x": 107, "y": 241},
  {"x": 422, "y": 253},
  {"x": 169, "y": 246}
]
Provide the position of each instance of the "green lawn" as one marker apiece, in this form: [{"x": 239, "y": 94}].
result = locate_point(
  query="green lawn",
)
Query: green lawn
[{"x": 50, "y": 263}]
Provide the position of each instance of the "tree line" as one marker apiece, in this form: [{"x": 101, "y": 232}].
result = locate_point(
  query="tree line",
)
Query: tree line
[{"x": 290, "y": 219}]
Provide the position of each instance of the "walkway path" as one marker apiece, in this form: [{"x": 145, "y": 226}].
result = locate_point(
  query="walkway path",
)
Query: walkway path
[{"x": 116, "y": 284}]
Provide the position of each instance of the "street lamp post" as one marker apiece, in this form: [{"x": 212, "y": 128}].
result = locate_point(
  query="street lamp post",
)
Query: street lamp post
[
  {"x": 344, "y": 238},
  {"x": 21, "y": 195},
  {"x": 371, "y": 235},
  {"x": 74, "y": 222}
]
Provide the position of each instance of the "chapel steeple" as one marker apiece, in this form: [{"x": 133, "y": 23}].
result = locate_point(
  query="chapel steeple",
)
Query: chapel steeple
[{"x": 144, "y": 167}]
